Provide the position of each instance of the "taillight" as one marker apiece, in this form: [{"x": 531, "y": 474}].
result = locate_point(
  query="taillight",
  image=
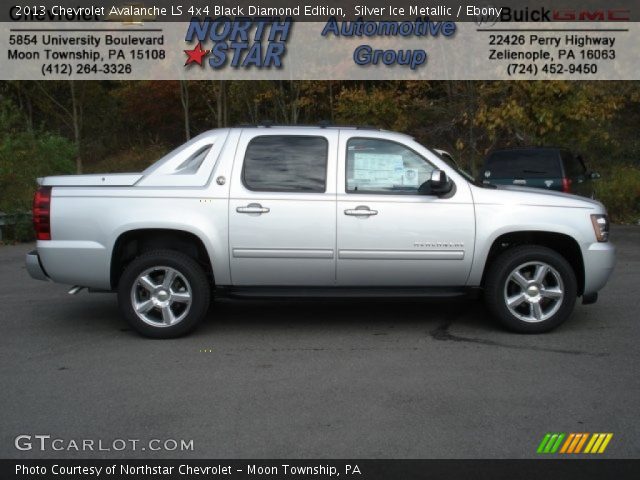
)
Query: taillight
[
  {"x": 566, "y": 185},
  {"x": 42, "y": 213}
]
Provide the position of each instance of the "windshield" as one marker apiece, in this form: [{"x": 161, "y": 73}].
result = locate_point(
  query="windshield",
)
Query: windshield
[{"x": 450, "y": 162}]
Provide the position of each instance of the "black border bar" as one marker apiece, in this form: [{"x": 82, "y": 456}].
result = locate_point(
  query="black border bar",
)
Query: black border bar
[{"x": 543, "y": 468}]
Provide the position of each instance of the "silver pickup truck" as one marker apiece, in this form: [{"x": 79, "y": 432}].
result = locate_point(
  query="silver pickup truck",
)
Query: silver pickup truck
[{"x": 316, "y": 212}]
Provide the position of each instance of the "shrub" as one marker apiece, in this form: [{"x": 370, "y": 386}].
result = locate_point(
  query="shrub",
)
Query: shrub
[
  {"x": 619, "y": 190},
  {"x": 24, "y": 156}
]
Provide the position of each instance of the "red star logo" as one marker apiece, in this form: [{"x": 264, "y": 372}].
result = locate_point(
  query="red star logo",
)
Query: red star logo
[{"x": 196, "y": 55}]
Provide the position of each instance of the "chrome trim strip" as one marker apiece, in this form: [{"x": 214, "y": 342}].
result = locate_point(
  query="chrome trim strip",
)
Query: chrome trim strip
[
  {"x": 281, "y": 253},
  {"x": 401, "y": 254}
]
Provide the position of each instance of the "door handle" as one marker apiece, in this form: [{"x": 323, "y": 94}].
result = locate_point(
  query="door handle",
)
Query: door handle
[
  {"x": 253, "y": 208},
  {"x": 361, "y": 211}
]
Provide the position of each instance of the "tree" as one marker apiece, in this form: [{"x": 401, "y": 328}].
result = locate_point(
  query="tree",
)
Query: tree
[
  {"x": 71, "y": 112},
  {"x": 573, "y": 113},
  {"x": 184, "y": 98}
]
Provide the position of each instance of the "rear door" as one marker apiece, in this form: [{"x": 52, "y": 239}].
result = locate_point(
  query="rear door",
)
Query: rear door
[{"x": 282, "y": 216}]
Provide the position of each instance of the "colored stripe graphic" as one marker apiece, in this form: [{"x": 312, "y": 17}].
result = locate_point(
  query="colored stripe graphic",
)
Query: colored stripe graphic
[
  {"x": 565, "y": 447},
  {"x": 543, "y": 443},
  {"x": 605, "y": 443},
  {"x": 581, "y": 442},
  {"x": 550, "y": 443},
  {"x": 594, "y": 437},
  {"x": 598, "y": 442},
  {"x": 555, "y": 447},
  {"x": 574, "y": 443}
]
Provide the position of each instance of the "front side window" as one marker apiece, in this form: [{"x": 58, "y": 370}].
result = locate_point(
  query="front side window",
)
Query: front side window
[
  {"x": 383, "y": 166},
  {"x": 286, "y": 163}
]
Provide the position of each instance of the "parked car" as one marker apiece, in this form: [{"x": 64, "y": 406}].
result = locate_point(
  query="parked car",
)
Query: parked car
[
  {"x": 317, "y": 212},
  {"x": 550, "y": 168}
]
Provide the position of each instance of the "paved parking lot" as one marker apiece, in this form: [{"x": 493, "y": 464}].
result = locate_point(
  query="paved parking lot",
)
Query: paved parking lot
[{"x": 366, "y": 379}]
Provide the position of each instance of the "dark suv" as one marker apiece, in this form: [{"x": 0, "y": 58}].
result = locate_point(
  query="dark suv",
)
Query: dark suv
[{"x": 550, "y": 168}]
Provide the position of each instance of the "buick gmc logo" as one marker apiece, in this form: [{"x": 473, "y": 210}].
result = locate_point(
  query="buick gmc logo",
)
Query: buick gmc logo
[
  {"x": 601, "y": 15},
  {"x": 542, "y": 14}
]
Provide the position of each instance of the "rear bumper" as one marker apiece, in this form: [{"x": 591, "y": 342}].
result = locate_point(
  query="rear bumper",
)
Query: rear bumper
[
  {"x": 34, "y": 267},
  {"x": 76, "y": 262},
  {"x": 599, "y": 260}
]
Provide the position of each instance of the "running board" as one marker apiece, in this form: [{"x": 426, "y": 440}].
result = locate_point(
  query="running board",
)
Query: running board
[{"x": 342, "y": 292}]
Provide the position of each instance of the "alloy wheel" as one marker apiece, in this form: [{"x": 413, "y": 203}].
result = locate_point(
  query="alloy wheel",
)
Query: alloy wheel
[
  {"x": 161, "y": 296},
  {"x": 534, "y": 292}
]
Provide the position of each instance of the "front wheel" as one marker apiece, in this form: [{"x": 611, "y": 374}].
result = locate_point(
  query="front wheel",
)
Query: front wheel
[
  {"x": 531, "y": 289},
  {"x": 163, "y": 294}
]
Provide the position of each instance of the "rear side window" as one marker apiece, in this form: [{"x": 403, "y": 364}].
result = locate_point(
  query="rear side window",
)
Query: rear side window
[
  {"x": 193, "y": 163},
  {"x": 286, "y": 163},
  {"x": 523, "y": 164}
]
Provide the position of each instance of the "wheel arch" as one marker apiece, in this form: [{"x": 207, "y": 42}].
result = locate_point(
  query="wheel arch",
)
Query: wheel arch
[
  {"x": 562, "y": 243},
  {"x": 131, "y": 243}
]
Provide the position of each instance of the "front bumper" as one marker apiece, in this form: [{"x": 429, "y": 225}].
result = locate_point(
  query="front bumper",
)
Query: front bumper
[
  {"x": 34, "y": 267},
  {"x": 599, "y": 260}
]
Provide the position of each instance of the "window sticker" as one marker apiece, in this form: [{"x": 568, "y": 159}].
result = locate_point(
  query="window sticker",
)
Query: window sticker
[
  {"x": 410, "y": 177},
  {"x": 377, "y": 169}
]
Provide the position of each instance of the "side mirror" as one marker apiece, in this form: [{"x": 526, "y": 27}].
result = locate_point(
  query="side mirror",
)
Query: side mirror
[
  {"x": 594, "y": 175},
  {"x": 438, "y": 184}
]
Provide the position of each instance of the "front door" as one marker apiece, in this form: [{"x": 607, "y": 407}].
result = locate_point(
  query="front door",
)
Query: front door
[
  {"x": 388, "y": 234},
  {"x": 282, "y": 217}
]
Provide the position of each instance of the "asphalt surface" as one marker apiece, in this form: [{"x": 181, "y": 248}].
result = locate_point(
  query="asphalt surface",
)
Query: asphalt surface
[{"x": 317, "y": 379}]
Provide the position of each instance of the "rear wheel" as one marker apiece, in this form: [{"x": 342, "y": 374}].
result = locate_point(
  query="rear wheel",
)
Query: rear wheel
[
  {"x": 531, "y": 289},
  {"x": 163, "y": 294}
]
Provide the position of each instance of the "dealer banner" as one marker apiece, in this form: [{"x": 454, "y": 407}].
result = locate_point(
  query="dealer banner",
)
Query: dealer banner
[{"x": 337, "y": 40}]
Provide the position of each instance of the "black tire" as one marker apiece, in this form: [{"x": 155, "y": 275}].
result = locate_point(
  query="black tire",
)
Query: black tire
[
  {"x": 496, "y": 288},
  {"x": 191, "y": 279}
]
